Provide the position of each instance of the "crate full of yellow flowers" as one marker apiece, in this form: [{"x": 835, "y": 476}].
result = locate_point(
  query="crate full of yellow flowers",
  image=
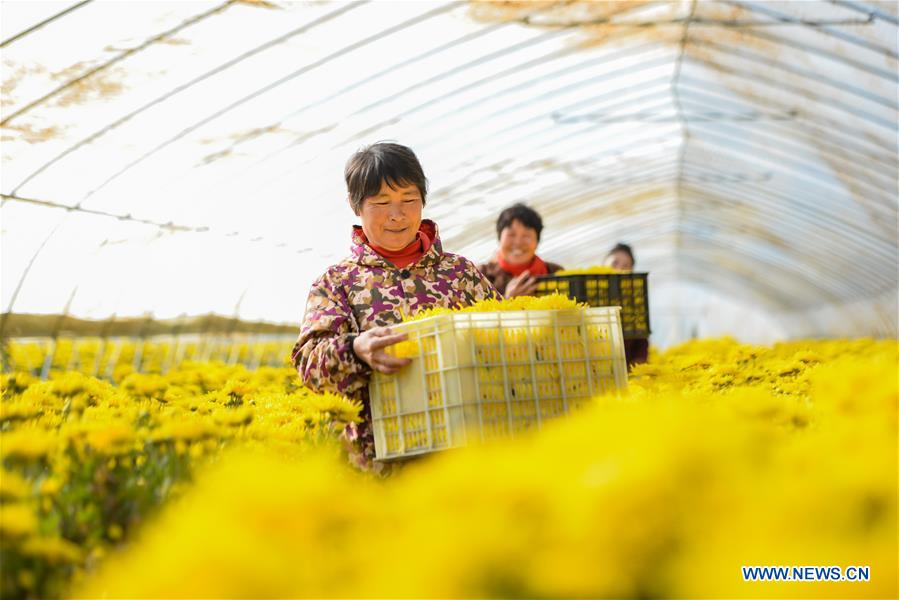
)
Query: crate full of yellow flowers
[
  {"x": 481, "y": 375},
  {"x": 604, "y": 286}
]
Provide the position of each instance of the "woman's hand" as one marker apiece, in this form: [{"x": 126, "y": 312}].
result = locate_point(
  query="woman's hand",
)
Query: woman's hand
[
  {"x": 369, "y": 347},
  {"x": 523, "y": 285}
]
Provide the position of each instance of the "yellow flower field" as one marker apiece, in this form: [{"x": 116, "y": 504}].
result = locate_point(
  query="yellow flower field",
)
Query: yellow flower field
[
  {"x": 221, "y": 481},
  {"x": 86, "y": 461}
]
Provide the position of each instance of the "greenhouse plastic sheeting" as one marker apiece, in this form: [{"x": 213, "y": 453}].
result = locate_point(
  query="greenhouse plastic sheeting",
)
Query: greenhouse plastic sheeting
[{"x": 173, "y": 158}]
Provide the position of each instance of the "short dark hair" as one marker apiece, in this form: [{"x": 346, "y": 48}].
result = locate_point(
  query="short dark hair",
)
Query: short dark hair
[
  {"x": 525, "y": 215},
  {"x": 619, "y": 247},
  {"x": 383, "y": 161}
]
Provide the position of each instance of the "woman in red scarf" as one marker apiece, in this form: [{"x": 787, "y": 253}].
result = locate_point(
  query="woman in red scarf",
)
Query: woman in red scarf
[
  {"x": 515, "y": 266},
  {"x": 396, "y": 267}
]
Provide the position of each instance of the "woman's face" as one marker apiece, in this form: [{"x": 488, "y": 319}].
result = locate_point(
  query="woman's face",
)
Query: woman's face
[
  {"x": 392, "y": 217},
  {"x": 518, "y": 243},
  {"x": 619, "y": 260}
]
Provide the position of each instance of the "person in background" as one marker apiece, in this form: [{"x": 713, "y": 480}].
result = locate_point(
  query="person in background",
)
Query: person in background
[
  {"x": 621, "y": 257},
  {"x": 397, "y": 267},
  {"x": 514, "y": 268}
]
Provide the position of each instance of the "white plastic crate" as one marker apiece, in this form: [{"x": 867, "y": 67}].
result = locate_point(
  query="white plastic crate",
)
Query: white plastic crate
[{"x": 493, "y": 374}]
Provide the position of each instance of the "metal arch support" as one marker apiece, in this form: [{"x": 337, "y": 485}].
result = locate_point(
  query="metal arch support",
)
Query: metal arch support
[
  {"x": 754, "y": 7},
  {"x": 780, "y": 164},
  {"x": 853, "y": 168},
  {"x": 649, "y": 176},
  {"x": 786, "y": 299},
  {"x": 167, "y": 227},
  {"x": 658, "y": 62},
  {"x": 465, "y": 66},
  {"x": 752, "y": 194},
  {"x": 728, "y": 149},
  {"x": 116, "y": 59},
  {"x": 804, "y": 117},
  {"x": 360, "y": 83},
  {"x": 651, "y": 138},
  {"x": 792, "y": 70},
  {"x": 575, "y": 192},
  {"x": 809, "y": 49},
  {"x": 171, "y": 227},
  {"x": 607, "y": 76},
  {"x": 265, "y": 89},
  {"x": 654, "y": 86},
  {"x": 177, "y": 90},
  {"x": 536, "y": 40},
  {"x": 717, "y": 276},
  {"x": 798, "y": 91},
  {"x": 868, "y": 10},
  {"x": 15, "y": 295},
  {"x": 737, "y": 242},
  {"x": 512, "y": 142},
  {"x": 830, "y": 226},
  {"x": 47, "y": 21},
  {"x": 50, "y": 204},
  {"x": 777, "y": 141},
  {"x": 661, "y": 94},
  {"x": 701, "y": 271},
  {"x": 357, "y": 84},
  {"x": 293, "y": 144},
  {"x": 811, "y": 131},
  {"x": 584, "y": 197},
  {"x": 368, "y": 130},
  {"x": 879, "y": 247},
  {"x": 685, "y": 132}
]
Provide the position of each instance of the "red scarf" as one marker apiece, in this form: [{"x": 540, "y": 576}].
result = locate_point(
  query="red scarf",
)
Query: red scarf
[
  {"x": 411, "y": 253},
  {"x": 535, "y": 267}
]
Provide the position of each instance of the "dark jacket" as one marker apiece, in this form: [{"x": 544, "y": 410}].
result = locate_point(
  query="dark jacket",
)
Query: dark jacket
[{"x": 500, "y": 278}]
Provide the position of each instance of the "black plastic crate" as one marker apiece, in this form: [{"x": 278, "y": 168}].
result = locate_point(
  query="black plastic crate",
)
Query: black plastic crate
[{"x": 630, "y": 291}]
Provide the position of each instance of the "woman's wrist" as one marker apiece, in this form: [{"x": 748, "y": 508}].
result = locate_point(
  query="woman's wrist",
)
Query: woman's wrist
[{"x": 351, "y": 340}]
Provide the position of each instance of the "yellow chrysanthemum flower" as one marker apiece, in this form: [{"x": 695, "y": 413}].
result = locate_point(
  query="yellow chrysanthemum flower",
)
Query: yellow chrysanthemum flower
[
  {"x": 17, "y": 520},
  {"x": 13, "y": 486},
  {"x": 53, "y": 550},
  {"x": 595, "y": 270}
]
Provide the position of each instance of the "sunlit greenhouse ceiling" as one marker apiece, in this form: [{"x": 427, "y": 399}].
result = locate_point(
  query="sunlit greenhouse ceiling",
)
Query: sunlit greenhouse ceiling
[{"x": 186, "y": 158}]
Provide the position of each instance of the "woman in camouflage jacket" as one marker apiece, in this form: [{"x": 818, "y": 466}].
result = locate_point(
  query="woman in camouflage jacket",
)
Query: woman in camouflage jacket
[{"x": 397, "y": 267}]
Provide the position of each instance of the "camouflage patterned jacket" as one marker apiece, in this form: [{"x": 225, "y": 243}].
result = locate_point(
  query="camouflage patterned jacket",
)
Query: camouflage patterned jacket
[{"x": 365, "y": 291}]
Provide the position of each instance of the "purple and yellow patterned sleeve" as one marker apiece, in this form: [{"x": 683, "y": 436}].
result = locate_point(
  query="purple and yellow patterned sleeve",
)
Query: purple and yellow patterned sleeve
[
  {"x": 481, "y": 287},
  {"x": 323, "y": 354}
]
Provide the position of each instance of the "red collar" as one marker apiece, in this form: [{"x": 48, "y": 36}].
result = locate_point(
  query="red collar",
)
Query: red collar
[
  {"x": 424, "y": 238},
  {"x": 535, "y": 267}
]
